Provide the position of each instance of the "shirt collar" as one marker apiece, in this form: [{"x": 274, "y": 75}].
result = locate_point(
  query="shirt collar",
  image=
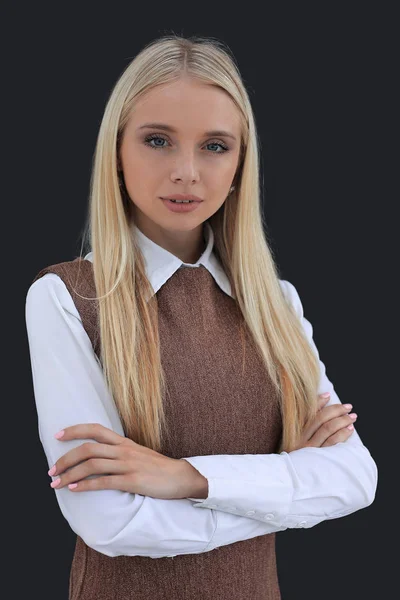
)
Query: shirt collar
[{"x": 161, "y": 264}]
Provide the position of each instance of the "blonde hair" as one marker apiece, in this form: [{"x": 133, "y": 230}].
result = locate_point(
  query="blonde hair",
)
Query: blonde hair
[{"x": 128, "y": 321}]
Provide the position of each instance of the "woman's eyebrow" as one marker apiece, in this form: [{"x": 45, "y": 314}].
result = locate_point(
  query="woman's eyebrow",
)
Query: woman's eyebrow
[{"x": 173, "y": 130}]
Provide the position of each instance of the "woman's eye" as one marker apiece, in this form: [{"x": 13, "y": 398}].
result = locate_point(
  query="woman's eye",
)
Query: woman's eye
[
  {"x": 148, "y": 141},
  {"x": 224, "y": 148}
]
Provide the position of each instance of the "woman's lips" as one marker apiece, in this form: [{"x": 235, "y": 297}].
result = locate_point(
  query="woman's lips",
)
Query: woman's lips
[{"x": 180, "y": 207}]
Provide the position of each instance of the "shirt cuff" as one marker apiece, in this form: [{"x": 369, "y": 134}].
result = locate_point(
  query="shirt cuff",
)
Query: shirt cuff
[{"x": 264, "y": 499}]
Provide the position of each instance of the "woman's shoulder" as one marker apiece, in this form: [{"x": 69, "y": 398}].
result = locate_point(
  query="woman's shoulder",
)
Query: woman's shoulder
[
  {"x": 63, "y": 299},
  {"x": 76, "y": 274},
  {"x": 56, "y": 284},
  {"x": 48, "y": 293}
]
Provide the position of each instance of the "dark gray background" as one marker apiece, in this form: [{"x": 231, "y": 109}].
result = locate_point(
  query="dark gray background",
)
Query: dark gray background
[{"x": 322, "y": 85}]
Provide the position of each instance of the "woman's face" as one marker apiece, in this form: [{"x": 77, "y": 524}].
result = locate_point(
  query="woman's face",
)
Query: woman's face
[{"x": 185, "y": 159}]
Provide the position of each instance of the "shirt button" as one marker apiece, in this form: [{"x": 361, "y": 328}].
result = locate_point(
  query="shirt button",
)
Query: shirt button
[
  {"x": 269, "y": 516},
  {"x": 250, "y": 513}
]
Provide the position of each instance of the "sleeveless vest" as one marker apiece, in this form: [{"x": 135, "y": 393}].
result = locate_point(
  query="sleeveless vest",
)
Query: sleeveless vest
[{"x": 217, "y": 403}]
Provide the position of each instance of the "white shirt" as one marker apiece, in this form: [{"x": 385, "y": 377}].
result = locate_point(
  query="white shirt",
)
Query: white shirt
[{"x": 249, "y": 495}]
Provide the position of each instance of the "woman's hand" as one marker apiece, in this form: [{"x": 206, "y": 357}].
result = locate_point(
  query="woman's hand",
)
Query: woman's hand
[
  {"x": 330, "y": 426},
  {"x": 124, "y": 465}
]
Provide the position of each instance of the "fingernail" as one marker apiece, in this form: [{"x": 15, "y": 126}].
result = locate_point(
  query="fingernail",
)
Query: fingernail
[
  {"x": 348, "y": 406},
  {"x": 52, "y": 470},
  {"x": 55, "y": 483},
  {"x": 350, "y": 426},
  {"x": 59, "y": 434},
  {"x": 353, "y": 415},
  {"x": 326, "y": 395}
]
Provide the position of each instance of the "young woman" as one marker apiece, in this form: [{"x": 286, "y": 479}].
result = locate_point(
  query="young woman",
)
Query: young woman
[{"x": 197, "y": 417}]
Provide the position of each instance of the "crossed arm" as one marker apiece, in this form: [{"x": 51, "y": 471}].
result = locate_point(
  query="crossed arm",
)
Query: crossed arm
[{"x": 249, "y": 495}]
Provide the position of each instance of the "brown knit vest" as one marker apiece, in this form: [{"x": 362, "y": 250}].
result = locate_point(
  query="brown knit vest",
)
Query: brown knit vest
[{"x": 214, "y": 405}]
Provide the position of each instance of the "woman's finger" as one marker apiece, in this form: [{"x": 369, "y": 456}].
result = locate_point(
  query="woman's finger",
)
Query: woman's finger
[
  {"x": 94, "y": 431},
  {"x": 327, "y": 413},
  {"x": 83, "y": 453},
  {"x": 322, "y": 401},
  {"x": 310, "y": 427},
  {"x": 93, "y": 466},
  {"x": 329, "y": 428},
  {"x": 340, "y": 436},
  {"x": 108, "y": 482}
]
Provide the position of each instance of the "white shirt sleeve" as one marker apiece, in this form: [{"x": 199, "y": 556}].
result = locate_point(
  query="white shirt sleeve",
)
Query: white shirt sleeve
[
  {"x": 69, "y": 389},
  {"x": 295, "y": 489}
]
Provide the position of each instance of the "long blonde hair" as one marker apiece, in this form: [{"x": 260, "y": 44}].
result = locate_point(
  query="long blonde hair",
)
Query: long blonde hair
[{"x": 128, "y": 321}]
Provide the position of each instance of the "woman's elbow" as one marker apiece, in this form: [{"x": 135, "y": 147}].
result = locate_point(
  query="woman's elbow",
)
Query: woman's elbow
[{"x": 368, "y": 483}]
